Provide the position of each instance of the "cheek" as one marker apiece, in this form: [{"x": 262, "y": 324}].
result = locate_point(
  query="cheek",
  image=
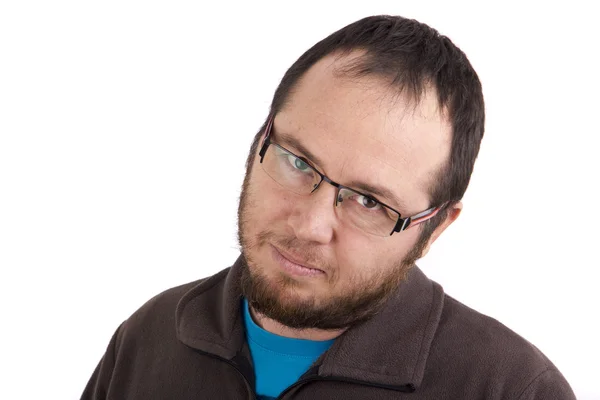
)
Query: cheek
[
  {"x": 356, "y": 256},
  {"x": 360, "y": 255},
  {"x": 270, "y": 204}
]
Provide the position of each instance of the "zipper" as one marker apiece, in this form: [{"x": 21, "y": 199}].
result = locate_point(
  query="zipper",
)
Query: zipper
[
  {"x": 234, "y": 365},
  {"x": 407, "y": 388}
]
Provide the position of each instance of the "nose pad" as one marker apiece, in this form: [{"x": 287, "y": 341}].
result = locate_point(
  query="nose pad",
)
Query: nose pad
[
  {"x": 317, "y": 184},
  {"x": 338, "y": 197},
  {"x": 313, "y": 219}
]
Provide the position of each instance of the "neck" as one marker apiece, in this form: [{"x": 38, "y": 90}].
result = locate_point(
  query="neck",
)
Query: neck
[{"x": 277, "y": 328}]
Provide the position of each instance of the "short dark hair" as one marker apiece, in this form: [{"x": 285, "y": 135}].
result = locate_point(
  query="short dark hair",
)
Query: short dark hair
[{"x": 413, "y": 57}]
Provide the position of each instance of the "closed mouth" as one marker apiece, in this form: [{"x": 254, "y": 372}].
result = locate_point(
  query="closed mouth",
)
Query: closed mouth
[{"x": 295, "y": 260}]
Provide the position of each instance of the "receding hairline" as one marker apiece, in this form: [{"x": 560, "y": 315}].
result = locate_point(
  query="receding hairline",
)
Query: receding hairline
[{"x": 345, "y": 65}]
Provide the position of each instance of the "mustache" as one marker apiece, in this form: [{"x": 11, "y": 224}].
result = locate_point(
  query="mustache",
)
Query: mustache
[{"x": 309, "y": 252}]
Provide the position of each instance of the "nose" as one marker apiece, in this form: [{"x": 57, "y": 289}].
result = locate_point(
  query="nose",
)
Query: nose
[{"x": 314, "y": 217}]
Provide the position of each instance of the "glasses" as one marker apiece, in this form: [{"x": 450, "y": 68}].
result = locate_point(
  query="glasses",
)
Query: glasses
[{"x": 361, "y": 210}]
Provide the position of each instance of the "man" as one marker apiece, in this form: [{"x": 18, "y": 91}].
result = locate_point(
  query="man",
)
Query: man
[{"x": 358, "y": 169}]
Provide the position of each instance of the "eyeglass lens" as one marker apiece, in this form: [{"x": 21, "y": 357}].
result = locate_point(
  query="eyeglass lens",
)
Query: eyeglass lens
[{"x": 296, "y": 175}]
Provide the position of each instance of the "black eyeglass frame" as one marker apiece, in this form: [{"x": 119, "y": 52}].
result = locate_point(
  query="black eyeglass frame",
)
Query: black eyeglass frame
[{"x": 401, "y": 224}]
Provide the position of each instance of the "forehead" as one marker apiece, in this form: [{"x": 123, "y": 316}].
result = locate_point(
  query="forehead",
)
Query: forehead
[{"x": 364, "y": 131}]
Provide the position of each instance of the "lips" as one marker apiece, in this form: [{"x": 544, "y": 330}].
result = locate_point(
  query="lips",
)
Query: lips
[{"x": 296, "y": 260}]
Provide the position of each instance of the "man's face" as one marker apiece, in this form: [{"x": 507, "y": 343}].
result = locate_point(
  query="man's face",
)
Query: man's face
[{"x": 362, "y": 131}]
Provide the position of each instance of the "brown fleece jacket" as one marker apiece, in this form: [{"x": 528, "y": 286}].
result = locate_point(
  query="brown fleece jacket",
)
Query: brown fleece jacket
[{"x": 189, "y": 343}]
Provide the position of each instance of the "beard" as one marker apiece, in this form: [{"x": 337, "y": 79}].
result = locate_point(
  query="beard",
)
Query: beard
[{"x": 273, "y": 297}]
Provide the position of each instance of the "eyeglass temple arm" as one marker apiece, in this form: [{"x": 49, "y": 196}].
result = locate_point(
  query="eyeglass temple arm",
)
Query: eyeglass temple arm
[
  {"x": 267, "y": 140},
  {"x": 416, "y": 219}
]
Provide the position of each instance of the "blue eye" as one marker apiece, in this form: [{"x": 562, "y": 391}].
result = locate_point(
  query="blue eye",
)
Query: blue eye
[{"x": 299, "y": 164}]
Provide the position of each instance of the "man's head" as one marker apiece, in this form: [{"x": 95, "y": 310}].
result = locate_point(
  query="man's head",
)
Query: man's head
[{"x": 384, "y": 102}]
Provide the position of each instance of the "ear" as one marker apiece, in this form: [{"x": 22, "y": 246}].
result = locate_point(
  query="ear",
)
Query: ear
[{"x": 452, "y": 215}]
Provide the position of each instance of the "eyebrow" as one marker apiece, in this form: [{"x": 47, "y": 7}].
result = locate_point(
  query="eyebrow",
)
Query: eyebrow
[{"x": 288, "y": 140}]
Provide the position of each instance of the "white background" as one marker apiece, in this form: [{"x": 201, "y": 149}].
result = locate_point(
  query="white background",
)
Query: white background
[{"x": 124, "y": 127}]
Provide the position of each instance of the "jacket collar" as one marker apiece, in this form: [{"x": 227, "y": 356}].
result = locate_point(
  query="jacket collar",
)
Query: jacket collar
[{"x": 389, "y": 349}]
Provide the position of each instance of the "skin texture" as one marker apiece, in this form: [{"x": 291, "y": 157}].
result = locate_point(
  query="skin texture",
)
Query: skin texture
[{"x": 363, "y": 131}]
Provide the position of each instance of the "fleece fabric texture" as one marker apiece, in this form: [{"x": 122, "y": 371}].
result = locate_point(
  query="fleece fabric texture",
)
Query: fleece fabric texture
[
  {"x": 278, "y": 361},
  {"x": 189, "y": 342}
]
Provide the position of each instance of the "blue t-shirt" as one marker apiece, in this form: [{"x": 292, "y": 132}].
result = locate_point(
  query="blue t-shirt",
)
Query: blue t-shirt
[{"x": 278, "y": 361}]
